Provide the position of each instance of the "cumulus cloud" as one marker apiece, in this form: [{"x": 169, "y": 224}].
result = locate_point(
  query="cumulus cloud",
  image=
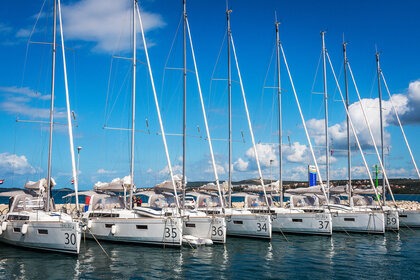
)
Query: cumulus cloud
[
  {"x": 268, "y": 156},
  {"x": 11, "y": 163},
  {"x": 104, "y": 171},
  {"x": 103, "y": 23},
  {"x": 18, "y": 101},
  {"x": 220, "y": 169},
  {"x": 241, "y": 165},
  {"x": 407, "y": 106},
  {"x": 296, "y": 153}
]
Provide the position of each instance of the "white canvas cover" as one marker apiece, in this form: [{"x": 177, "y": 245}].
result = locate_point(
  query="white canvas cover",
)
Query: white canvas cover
[
  {"x": 116, "y": 185},
  {"x": 40, "y": 185}
]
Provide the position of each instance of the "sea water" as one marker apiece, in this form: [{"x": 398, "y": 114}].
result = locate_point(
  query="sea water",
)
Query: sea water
[{"x": 342, "y": 256}]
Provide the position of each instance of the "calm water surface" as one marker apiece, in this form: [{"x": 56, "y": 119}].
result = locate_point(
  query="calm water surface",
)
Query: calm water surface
[{"x": 342, "y": 256}]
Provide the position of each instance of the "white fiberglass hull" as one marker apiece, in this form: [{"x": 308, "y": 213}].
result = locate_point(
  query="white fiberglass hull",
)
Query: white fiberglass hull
[
  {"x": 409, "y": 218},
  {"x": 207, "y": 227},
  {"x": 300, "y": 222},
  {"x": 392, "y": 219},
  {"x": 53, "y": 235},
  {"x": 165, "y": 231},
  {"x": 347, "y": 220},
  {"x": 246, "y": 224}
]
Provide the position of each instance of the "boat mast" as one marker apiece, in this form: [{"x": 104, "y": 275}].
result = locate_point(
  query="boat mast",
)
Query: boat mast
[
  {"x": 133, "y": 106},
  {"x": 184, "y": 134},
  {"x": 327, "y": 144},
  {"x": 54, "y": 48},
  {"x": 203, "y": 109},
  {"x": 346, "y": 88},
  {"x": 69, "y": 120},
  {"x": 229, "y": 35},
  {"x": 280, "y": 114},
  {"x": 378, "y": 71}
]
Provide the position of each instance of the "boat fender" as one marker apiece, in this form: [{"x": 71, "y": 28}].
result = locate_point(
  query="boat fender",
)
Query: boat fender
[
  {"x": 1, "y": 231},
  {"x": 4, "y": 226},
  {"x": 89, "y": 224},
  {"x": 24, "y": 229},
  {"x": 113, "y": 229},
  {"x": 208, "y": 242}
]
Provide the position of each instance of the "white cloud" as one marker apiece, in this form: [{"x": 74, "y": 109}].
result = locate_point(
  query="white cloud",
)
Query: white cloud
[
  {"x": 104, "y": 171},
  {"x": 296, "y": 153},
  {"x": 220, "y": 169},
  {"x": 323, "y": 159},
  {"x": 407, "y": 106},
  {"x": 18, "y": 101},
  {"x": 11, "y": 163},
  {"x": 266, "y": 153},
  {"x": 106, "y": 23},
  {"x": 241, "y": 165}
]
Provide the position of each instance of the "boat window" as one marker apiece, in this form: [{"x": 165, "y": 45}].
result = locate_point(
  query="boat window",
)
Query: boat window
[
  {"x": 18, "y": 218},
  {"x": 141, "y": 226},
  {"x": 43, "y": 231}
]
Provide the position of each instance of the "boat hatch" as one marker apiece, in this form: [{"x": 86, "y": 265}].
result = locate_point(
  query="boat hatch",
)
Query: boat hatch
[
  {"x": 16, "y": 229},
  {"x": 42, "y": 231}
]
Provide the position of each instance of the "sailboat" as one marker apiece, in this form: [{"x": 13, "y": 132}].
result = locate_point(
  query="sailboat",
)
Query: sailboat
[
  {"x": 199, "y": 228},
  {"x": 196, "y": 223},
  {"x": 242, "y": 222},
  {"x": 396, "y": 216},
  {"x": 109, "y": 217},
  {"x": 290, "y": 220},
  {"x": 32, "y": 220},
  {"x": 347, "y": 218}
]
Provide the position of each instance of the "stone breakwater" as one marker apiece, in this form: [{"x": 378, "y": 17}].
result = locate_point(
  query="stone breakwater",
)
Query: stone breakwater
[{"x": 408, "y": 205}]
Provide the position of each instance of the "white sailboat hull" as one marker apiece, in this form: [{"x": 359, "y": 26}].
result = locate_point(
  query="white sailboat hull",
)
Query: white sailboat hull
[
  {"x": 134, "y": 226},
  {"x": 300, "y": 222},
  {"x": 207, "y": 227},
  {"x": 392, "y": 220},
  {"x": 247, "y": 224},
  {"x": 409, "y": 218},
  {"x": 154, "y": 231},
  {"x": 358, "y": 221},
  {"x": 58, "y": 236}
]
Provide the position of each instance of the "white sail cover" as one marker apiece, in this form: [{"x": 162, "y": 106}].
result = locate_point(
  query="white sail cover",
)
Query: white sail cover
[
  {"x": 116, "y": 185},
  {"x": 314, "y": 189},
  {"x": 40, "y": 185},
  {"x": 166, "y": 186}
]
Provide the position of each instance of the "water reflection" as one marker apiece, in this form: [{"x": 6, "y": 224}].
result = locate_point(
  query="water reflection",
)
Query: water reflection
[{"x": 343, "y": 256}]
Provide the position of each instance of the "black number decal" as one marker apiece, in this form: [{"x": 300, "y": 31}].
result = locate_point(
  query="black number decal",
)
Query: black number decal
[
  {"x": 70, "y": 238},
  {"x": 168, "y": 232},
  {"x": 261, "y": 227},
  {"x": 323, "y": 224},
  {"x": 217, "y": 231},
  {"x": 391, "y": 221}
]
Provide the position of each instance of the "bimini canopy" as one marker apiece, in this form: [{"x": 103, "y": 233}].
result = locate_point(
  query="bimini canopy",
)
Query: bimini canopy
[{"x": 116, "y": 185}]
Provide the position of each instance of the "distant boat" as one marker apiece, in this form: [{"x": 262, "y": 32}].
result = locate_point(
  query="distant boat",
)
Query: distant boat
[{"x": 32, "y": 220}]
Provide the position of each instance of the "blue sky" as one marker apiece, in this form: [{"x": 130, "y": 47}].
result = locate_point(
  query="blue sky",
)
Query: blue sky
[{"x": 100, "y": 87}]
